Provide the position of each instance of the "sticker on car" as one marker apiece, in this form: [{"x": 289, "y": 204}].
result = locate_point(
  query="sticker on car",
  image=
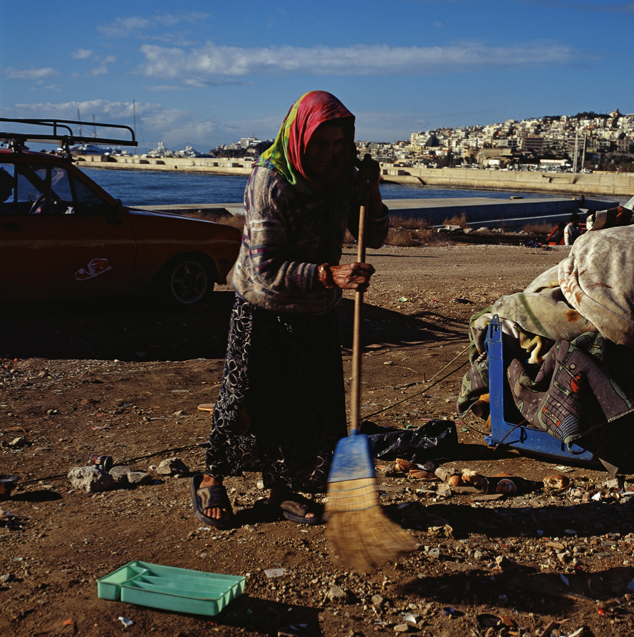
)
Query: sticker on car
[{"x": 95, "y": 268}]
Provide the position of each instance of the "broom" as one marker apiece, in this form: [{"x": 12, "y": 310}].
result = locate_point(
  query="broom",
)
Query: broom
[{"x": 361, "y": 533}]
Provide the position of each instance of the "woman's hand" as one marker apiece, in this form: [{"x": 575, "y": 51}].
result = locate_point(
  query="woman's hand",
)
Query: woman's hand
[
  {"x": 352, "y": 276},
  {"x": 368, "y": 176},
  {"x": 369, "y": 172}
]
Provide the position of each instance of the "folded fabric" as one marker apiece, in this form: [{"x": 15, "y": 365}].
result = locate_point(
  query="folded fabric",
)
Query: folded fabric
[
  {"x": 597, "y": 279},
  {"x": 570, "y": 394},
  {"x": 567, "y": 343}
]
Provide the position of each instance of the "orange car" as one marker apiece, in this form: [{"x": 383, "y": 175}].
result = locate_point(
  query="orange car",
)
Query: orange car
[{"x": 61, "y": 235}]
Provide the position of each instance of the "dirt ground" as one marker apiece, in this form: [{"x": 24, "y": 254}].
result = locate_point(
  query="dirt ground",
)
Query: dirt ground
[{"x": 125, "y": 377}]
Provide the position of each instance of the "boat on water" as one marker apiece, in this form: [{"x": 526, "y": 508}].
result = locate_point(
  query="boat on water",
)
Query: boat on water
[
  {"x": 93, "y": 149},
  {"x": 160, "y": 151},
  {"x": 188, "y": 152}
]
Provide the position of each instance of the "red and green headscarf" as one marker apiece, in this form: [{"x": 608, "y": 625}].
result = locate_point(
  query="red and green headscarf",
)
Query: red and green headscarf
[{"x": 287, "y": 152}]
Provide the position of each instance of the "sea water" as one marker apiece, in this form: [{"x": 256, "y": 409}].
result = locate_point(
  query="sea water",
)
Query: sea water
[{"x": 159, "y": 188}]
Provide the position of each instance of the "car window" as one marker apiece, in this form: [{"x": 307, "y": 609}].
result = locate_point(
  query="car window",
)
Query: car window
[
  {"x": 7, "y": 189},
  {"x": 54, "y": 190},
  {"x": 87, "y": 200},
  {"x": 42, "y": 189}
]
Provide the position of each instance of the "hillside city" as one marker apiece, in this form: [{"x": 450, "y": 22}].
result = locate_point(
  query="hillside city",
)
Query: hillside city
[{"x": 580, "y": 143}]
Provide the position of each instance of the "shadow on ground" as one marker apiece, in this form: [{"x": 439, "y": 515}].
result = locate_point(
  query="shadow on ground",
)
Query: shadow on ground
[
  {"x": 526, "y": 589},
  {"x": 139, "y": 329}
]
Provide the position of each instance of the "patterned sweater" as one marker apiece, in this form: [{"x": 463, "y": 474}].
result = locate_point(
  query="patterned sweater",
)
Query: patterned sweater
[{"x": 288, "y": 233}]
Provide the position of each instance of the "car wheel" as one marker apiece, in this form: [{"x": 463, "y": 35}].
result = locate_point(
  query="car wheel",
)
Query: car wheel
[{"x": 188, "y": 281}]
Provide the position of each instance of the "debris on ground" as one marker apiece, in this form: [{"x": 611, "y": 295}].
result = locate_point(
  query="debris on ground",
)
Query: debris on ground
[{"x": 562, "y": 553}]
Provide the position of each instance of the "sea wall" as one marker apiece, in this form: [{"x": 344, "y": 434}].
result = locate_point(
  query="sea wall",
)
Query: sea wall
[
  {"x": 573, "y": 184},
  {"x": 208, "y": 165}
]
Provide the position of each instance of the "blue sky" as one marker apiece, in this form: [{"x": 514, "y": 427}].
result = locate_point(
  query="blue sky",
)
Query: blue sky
[{"x": 206, "y": 72}]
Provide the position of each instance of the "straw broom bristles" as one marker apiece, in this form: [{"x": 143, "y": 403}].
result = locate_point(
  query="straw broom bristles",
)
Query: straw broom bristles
[
  {"x": 363, "y": 536},
  {"x": 357, "y": 527}
]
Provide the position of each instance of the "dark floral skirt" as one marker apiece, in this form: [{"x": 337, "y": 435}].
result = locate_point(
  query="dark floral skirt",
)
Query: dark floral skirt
[{"x": 281, "y": 406}]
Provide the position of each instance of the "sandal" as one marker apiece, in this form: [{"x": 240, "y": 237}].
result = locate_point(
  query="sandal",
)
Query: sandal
[
  {"x": 264, "y": 511},
  {"x": 297, "y": 506},
  {"x": 211, "y": 497}
]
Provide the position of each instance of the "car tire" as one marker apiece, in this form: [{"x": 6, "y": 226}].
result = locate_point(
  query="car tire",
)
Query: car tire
[{"x": 187, "y": 281}]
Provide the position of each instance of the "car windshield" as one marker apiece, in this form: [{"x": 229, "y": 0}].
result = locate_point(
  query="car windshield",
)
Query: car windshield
[{"x": 49, "y": 189}]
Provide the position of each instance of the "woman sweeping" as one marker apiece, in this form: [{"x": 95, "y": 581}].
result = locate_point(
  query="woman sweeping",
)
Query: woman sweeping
[{"x": 283, "y": 365}]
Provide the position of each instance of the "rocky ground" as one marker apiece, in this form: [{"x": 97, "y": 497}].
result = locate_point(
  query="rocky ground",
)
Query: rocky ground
[{"x": 125, "y": 378}]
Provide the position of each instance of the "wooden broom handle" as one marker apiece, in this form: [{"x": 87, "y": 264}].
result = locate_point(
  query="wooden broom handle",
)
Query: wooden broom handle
[{"x": 355, "y": 405}]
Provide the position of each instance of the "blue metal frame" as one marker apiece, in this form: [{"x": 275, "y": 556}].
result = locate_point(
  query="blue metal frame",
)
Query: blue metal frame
[{"x": 522, "y": 438}]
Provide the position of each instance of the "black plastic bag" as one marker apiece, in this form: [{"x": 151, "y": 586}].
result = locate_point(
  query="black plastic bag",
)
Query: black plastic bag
[{"x": 435, "y": 439}]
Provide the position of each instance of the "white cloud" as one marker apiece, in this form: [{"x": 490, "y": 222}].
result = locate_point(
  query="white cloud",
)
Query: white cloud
[
  {"x": 172, "y": 38},
  {"x": 174, "y": 126},
  {"x": 29, "y": 74},
  {"x": 123, "y": 27},
  {"x": 102, "y": 69},
  {"x": 154, "y": 123},
  {"x": 169, "y": 20},
  {"x": 81, "y": 54},
  {"x": 197, "y": 66},
  {"x": 135, "y": 26},
  {"x": 103, "y": 110}
]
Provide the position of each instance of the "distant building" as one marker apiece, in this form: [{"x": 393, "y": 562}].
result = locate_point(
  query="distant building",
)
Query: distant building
[
  {"x": 531, "y": 142},
  {"x": 245, "y": 142}
]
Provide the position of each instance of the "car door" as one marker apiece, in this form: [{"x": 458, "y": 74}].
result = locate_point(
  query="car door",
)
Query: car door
[{"x": 60, "y": 238}]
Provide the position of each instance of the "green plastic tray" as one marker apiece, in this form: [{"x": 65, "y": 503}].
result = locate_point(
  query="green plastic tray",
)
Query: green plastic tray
[{"x": 170, "y": 588}]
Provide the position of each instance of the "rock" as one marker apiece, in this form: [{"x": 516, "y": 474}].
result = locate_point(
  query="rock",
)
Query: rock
[
  {"x": 444, "y": 472},
  {"x": 90, "y": 479},
  {"x": 18, "y": 442},
  {"x": 7, "y": 577},
  {"x": 478, "y": 555},
  {"x": 337, "y": 594},
  {"x": 172, "y": 466},
  {"x": 401, "y": 628},
  {"x": 504, "y": 563},
  {"x": 444, "y": 490},
  {"x": 377, "y": 601},
  {"x": 120, "y": 474},
  {"x": 139, "y": 477}
]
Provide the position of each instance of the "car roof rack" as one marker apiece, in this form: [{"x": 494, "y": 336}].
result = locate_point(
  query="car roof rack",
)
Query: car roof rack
[{"x": 60, "y": 131}]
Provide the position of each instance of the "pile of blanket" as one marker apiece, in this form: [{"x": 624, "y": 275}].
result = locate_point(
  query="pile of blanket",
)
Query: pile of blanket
[{"x": 568, "y": 342}]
